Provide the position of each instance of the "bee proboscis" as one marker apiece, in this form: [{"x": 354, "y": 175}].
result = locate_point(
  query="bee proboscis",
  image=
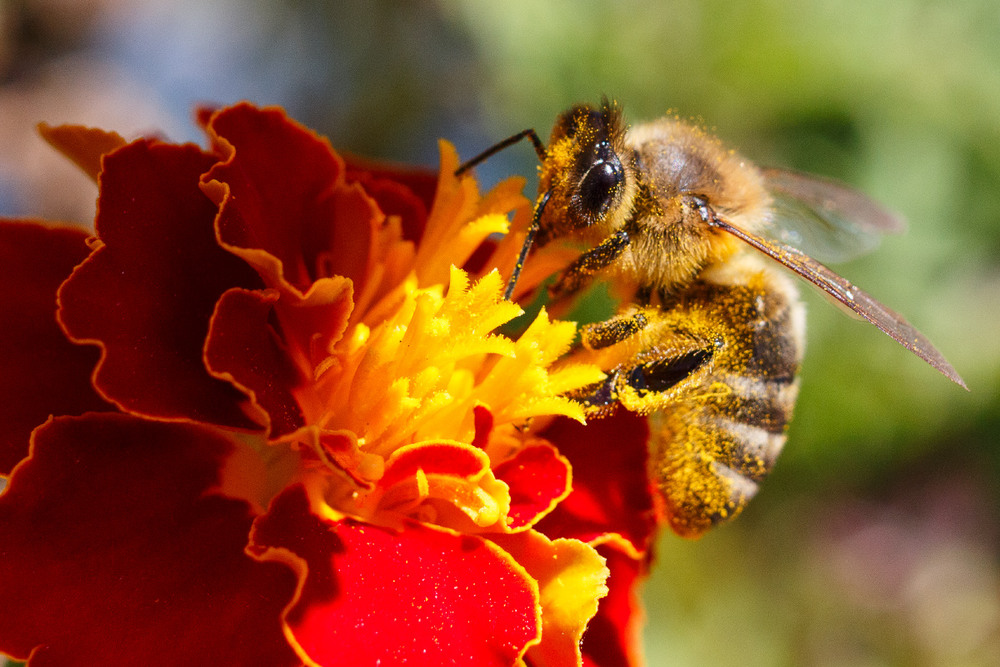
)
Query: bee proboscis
[{"x": 709, "y": 339}]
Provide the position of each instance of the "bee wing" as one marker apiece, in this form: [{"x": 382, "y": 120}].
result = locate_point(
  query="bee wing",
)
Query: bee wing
[
  {"x": 857, "y": 300},
  {"x": 824, "y": 218}
]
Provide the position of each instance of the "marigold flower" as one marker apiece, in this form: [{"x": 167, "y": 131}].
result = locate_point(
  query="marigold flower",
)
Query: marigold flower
[{"x": 264, "y": 416}]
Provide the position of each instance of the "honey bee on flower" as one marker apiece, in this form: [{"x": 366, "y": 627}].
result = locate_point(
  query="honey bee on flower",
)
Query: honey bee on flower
[{"x": 709, "y": 340}]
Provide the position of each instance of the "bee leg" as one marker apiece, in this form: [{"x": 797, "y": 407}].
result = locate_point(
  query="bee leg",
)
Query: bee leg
[
  {"x": 589, "y": 263},
  {"x": 646, "y": 381},
  {"x": 604, "y": 334}
]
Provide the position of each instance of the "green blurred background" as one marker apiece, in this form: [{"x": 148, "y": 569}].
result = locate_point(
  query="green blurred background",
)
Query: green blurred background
[{"x": 876, "y": 541}]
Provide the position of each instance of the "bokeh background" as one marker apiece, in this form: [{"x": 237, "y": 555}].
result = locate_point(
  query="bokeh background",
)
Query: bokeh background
[{"x": 876, "y": 541}]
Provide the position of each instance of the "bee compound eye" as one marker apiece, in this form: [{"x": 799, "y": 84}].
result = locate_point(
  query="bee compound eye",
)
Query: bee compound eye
[{"x": 600, "y": 187}]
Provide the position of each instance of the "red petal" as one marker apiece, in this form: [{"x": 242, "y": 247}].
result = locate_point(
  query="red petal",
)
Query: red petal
[
  {"x": 538, "y": 479},
  {"x": 611, "y": 492},
  {"x": 476, "y": 264},
  {"x": 282, "y": 191},
  {"x": 453, "y": 478},
  {"x": 41, "y": 372},
  {"x": 445, "y": 458},
  {"x": 203, "y": 115},
  {"x": 403, "y": 192},
  {"x": 314, "y": 323},
  {"x": 423, "y": 183},
  {"x": 243, "y": 347},
  {"x": 147, "y": 295},
  {"x": 483, "y": 420},
  {"x": 420, "y": 596},
  {"x": 114, "y": 552},
  {"x": 613, "y": 637},
  {"x": 341, "y": 448}
]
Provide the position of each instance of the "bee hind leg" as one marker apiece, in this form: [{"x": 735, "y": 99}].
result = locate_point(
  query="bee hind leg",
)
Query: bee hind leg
[
  {"x": 661, "y": 373},
  {"x": 645, "y": 383}
]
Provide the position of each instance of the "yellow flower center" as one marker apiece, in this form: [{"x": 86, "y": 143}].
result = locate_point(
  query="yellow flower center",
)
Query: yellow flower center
[{"x": 418, "y": 360}]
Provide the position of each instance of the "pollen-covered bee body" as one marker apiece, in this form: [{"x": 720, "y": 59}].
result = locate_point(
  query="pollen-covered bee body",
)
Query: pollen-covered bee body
[
  {"x": 678, "y": 167},
  {"x": 716, "y": 369}
]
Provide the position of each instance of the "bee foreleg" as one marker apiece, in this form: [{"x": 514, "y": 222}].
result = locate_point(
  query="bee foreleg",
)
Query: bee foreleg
[
  {"x": 604, "y": 334},
  {"x": 589, "y": 263}
]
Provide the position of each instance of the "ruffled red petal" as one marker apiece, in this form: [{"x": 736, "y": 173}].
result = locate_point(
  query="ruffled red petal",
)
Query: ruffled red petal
[
  {"x": 408, "y": 193},
  {"x": 41, "y": 372},
  {"x": 451, "y": 459},
  {"x": 147, "y": 294},
  {"x": 538, "y": 479},
  {"x": 115, "y": 553},
  {"x": 421, "y": 596},
  {"x": 453, "y": 478},
  {"x": 613, "y": 636},
  {"x": 291, "y": 214},
  {"x": 483, "y": 420},
  {"x": 611, "y": 492},
  {"x": 292, "y": 203},
  {"x": 243, "y": 347}
]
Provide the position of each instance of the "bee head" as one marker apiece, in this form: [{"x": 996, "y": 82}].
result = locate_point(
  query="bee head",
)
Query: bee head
[{"x": 588, "y": 174}]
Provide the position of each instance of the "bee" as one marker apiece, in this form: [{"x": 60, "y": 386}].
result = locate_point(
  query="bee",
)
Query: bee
[{"x": 709, "y": 339}]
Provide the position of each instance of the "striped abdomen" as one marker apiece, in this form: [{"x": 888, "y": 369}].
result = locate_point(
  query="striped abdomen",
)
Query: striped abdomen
[{"x": 716, "y": 370}]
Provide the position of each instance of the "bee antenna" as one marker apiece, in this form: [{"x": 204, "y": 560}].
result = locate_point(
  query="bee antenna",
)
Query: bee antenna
[
  {"x": 528, "y": 240},
  {"x": 497, "y": 147}
]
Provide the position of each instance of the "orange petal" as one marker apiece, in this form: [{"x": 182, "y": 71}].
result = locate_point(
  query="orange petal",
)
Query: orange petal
[
  {"x": 613, "y": 638},
  {"x": 571, "y": 580},
  {"x": 83, "y": 145}
]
